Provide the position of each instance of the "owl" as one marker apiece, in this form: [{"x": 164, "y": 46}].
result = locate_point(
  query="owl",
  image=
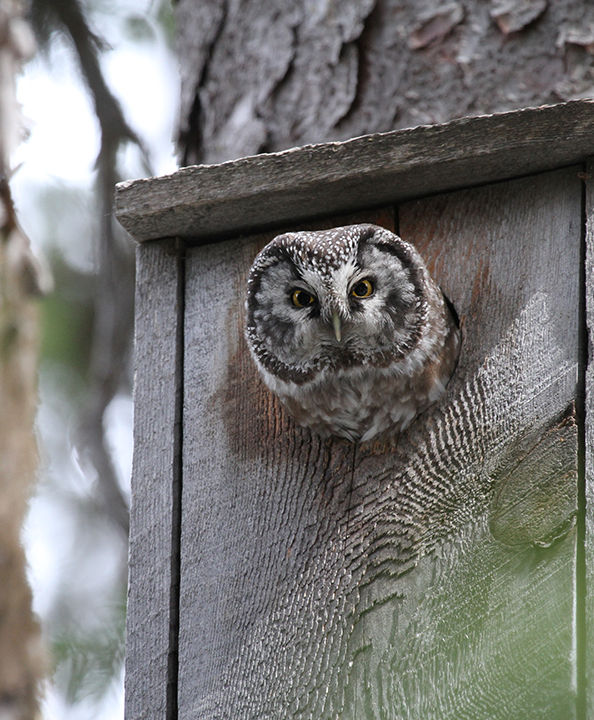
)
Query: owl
[{"x": 349, "y": 330}]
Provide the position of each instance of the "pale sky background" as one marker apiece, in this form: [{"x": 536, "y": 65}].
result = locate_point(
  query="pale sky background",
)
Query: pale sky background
[{"x": 60, "y": 152}]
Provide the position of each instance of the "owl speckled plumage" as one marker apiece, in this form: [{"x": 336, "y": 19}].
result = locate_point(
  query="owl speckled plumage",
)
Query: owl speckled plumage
[{"x": 348, "y": 328}]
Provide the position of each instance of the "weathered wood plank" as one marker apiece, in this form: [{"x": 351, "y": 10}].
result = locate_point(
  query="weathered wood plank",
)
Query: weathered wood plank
[
  {"x": 200, "y": 202},
  {"x": 588, "y": 658},
  {"x": 489, "y": 617},
  {"x": 151, "y": 661},
  {"x": 433, "y": 578},
  {"x": 241, "y": 453}
]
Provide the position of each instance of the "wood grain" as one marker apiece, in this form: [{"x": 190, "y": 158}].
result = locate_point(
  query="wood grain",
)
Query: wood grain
[
  {"x": 201, "y": 202},
  {"x": 430, "y": 578},
  {"x": 151, "y": 661},
  {"x": 489, "y": 621},
  {"x": 589, "y": 443}
]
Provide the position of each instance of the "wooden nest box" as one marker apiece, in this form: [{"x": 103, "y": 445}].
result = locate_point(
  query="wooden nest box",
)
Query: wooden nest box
[{"x": 277, "y": 575}]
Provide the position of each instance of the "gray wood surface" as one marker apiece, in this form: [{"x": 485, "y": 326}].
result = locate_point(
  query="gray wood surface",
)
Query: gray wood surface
[
  {"x": 151, "y": 664},
  {"x": 202, "y": 201},
  {"x": 433, "y": 578},
  {"x": 588, "y": 589}
]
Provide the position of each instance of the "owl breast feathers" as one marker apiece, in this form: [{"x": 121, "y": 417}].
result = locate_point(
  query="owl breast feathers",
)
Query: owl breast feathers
[{"x": 350, "y": 331}]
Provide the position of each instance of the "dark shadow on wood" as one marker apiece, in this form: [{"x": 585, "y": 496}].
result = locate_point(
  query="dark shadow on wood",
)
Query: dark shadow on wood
[{"x": 176, "y": 493}]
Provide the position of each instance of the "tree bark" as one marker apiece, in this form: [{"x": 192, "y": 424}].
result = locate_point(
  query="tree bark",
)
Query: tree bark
[
  {"x": 263, "y": 75},
  {"x": 21, "y": 657}
]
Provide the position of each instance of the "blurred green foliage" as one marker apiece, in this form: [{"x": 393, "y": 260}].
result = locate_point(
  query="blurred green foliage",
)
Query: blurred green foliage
[
  {"x": 67, "y": 318},
  {"x": 89, "y": 661}
]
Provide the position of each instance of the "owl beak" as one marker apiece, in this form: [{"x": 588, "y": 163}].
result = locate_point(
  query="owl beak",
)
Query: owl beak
[{"x": 336, "y": 326}]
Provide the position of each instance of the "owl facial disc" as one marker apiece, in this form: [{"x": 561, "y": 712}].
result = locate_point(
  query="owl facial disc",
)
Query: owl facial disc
[{"x": 348, "y": 328}]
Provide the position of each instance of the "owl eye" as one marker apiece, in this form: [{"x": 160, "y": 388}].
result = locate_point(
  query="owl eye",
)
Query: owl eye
[
  {"x": 301, "y": 298},
  {"x": 362, "y": 289}
]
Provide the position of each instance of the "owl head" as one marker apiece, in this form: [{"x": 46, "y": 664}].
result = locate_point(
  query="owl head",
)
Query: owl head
[
  {"x": 328, "y": 299},
  {"x": 338, "y": 318}
]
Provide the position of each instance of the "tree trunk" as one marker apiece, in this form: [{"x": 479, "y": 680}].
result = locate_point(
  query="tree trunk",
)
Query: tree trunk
[
  {"x": 263, "y": 75},
  {"x": 20, "y": 645}
]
